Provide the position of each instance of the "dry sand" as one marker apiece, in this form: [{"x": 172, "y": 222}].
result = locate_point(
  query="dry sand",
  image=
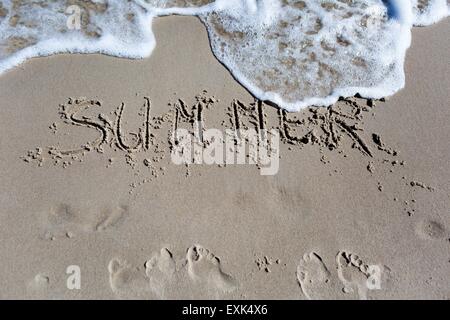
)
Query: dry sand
[{"x": 363, "y": 187}]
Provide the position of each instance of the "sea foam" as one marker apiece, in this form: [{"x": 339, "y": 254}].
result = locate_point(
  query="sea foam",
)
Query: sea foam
[{"x": 295, "y": 53}]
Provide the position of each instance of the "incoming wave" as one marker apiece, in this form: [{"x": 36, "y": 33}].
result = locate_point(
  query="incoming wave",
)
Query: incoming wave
[{"x": 294, "y": 53}]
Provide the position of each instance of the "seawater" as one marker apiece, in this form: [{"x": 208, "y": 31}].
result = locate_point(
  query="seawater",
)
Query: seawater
[{"x": 295, "y": 53}]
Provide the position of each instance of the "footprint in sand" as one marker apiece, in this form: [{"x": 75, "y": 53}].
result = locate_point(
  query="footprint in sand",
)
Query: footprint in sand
[
  {"x": 110, "y": 217},
  {"x": 126, "y": 281},
  {"x": 200, "y": 272},
  {"x": 65, "y": 220},
  {"x": 162, "y": 274},
  {"x": 430, "y": 230},
  {"x": 38, "y": 286},
  {"x": 353, "y": 273},
  {"x": 204, "y": 268},
  {"x": 316, "y": 282},
  {"x": 353, "y": 279}
]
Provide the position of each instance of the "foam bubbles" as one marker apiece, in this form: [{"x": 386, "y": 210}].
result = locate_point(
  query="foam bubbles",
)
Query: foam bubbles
[
  {"x": 295, "y": 53},
  {"x": 427, "y": 12},
  {"x": 40, "y": 28}
]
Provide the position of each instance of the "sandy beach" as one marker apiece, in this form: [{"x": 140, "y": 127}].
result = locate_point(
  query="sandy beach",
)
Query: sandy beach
[{"x": 358, "y": 206}]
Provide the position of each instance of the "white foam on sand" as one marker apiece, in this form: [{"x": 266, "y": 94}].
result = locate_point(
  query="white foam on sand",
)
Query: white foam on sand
[{"x": 294, "y": 53}]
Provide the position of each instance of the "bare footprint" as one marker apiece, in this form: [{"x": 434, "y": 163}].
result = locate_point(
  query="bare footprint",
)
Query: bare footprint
[
  {"x": 199, "y": 275},
  {"x": 316, "y": 282},
  {"x": 111, "y": 217},
  {"x": 353, "y": 273},
  {"x": 204, "y": 267},
  {"x": 37, "y": 288},
  {"x": 161, "y": 272},
  {"x": 430, "y": 230},
  {"x": 66, "y": 221},
  {"x": 125, "y": 281}
]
